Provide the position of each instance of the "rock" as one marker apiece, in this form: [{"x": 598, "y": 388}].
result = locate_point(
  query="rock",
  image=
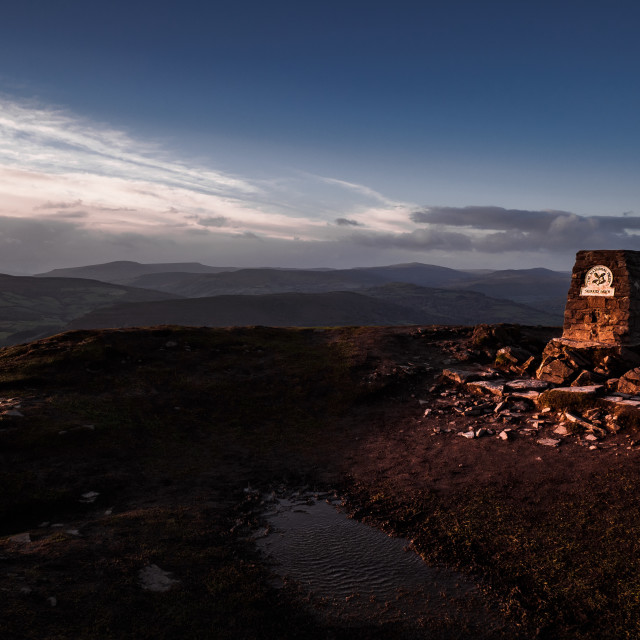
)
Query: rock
[
  {"x": 531, "y": 396},
  {"x": 526, "y": 384},
  {"x": 630, "y": 382},
  {"x": 153, "y": 578},
  {"x": 622, "y": 402},
  {"x": 561, "y": 430},
  {"x": 590, "y": 437},
  {"x": 512, "y": 355},
  {"x": 561, "y": 397},
  {"x": 468, "y": 434},
  {"x": 586, "y": 378},
  {"x": 89, "y": 497},
  {"x": 493, "y": 387},
  {"x": 590, "y": 390},
  {"x": 460, "y": 376},
  {"x": 481, "y": 432},
  {"x": 571, "y": 417},
  {"x": 555, "y": 371},
  {"x": 548, "y": 442},
  {"x": 529, "y": 366},
  {"x": 506, "y": 434}
]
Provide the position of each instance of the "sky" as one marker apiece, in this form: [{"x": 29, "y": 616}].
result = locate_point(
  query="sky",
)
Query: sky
[{"x": 494, "y": 134}]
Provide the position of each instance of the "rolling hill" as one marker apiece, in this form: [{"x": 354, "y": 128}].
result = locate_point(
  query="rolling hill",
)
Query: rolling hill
[
  {"x": 34, "y": 307},
  {"x": 258, "y": 282},
  {"x": 387, "y": 305}
]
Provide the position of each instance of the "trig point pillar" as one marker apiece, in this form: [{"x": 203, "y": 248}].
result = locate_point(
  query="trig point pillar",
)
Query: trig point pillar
[{"x": 603, "y": 304}]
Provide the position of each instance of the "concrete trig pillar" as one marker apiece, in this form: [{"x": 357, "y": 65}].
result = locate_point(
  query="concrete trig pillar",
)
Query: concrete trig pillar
[{"x": 603, "y": 304}]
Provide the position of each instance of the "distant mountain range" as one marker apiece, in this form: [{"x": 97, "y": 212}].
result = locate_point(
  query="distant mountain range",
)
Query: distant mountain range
[
  {"x": 392, "y": 304},
  {"x": 123, "y": 294},
  {"x": 541, "y": 288},
  {"x": 124, "y": 271}
]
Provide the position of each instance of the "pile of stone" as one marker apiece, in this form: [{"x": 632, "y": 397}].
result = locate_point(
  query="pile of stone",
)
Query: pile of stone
[
  {"x": 568, "y": 363},
  {"x": 494, "y": 404}
]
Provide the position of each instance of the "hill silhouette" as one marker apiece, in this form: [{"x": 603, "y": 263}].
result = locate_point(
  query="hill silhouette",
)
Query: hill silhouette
[
  {"x": 388, "y": 305},
  {"x": 125, "y": 271}
]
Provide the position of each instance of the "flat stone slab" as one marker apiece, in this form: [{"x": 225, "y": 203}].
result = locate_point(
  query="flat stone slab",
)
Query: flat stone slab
[
  {"x": 627, "y": 402},
  {"x": 460, "y": 376},
  {"x": 525, "y": 395},
  {"x": 590, "y": 390},
  {"x": 526, "y": 384},
  {"x": 548, "y": 442}
]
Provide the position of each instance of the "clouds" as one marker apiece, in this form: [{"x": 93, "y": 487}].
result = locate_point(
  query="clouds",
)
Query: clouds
[
  {"x": 75, "y": 192},
  {"x": 346, "y": 222},
  {"x": 491, "y": 229}
]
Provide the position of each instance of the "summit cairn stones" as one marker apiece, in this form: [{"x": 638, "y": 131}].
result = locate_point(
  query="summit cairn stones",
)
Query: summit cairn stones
[
  {"x": 601, "y": 333},
  {"x": 603, "y": 304}
]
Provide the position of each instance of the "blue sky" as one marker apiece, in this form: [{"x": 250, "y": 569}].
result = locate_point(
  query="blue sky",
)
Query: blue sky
[{"x": 469, "y": 134}]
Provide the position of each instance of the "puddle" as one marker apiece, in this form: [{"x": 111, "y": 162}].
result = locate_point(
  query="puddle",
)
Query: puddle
[{"x": 354, "y": 572}]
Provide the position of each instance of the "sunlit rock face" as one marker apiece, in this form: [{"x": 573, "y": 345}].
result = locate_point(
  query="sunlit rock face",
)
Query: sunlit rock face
[{"x": 603, "y": 304}]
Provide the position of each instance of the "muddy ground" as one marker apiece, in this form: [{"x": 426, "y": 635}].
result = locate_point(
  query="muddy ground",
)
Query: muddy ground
[{"x": 182, "y": 432}]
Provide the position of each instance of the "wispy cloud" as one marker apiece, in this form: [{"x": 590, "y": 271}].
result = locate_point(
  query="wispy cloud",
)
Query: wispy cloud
[{"x": 54, "y": 164}]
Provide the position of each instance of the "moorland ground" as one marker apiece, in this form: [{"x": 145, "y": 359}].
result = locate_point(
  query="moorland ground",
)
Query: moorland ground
[{"x": 170, "y": 425}]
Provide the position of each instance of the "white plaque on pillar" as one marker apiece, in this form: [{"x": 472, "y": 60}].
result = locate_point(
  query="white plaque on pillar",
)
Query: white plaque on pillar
[{"x": 598, "y": 282}]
